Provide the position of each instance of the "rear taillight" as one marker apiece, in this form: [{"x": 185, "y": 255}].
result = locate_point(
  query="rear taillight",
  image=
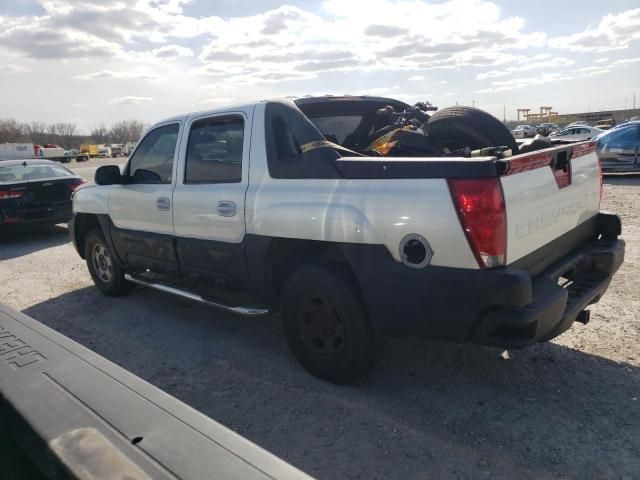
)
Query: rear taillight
[
  {"x": 75, "y": 184},
  {"x": 601, "y": 180},
  {"x": 10, "y": 194},
  {"x": 481, "y": 210}
]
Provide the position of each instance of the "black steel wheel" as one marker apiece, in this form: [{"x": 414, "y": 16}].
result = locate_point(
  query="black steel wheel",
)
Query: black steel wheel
[{"x": 326, "y": 324}]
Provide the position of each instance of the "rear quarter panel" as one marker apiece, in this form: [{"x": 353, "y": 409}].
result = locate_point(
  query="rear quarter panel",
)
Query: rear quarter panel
[{"x": 377, "y": 212}]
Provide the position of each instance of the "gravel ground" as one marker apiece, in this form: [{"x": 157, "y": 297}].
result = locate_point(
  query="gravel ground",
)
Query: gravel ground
[{"x": 565, "y": 409}]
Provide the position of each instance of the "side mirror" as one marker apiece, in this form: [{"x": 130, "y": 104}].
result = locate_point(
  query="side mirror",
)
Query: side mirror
[{"x": 108, "y": 175}]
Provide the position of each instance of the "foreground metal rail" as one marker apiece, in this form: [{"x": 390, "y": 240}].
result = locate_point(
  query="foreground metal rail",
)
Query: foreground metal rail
[{"x": 79, "y": 416}]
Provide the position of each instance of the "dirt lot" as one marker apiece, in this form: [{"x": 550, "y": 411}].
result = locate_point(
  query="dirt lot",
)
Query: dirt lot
[{"x": 566, "y": 409}]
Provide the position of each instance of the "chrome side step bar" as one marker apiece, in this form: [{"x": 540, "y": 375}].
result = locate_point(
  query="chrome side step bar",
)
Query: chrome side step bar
[{"x": 246, "y": 311}]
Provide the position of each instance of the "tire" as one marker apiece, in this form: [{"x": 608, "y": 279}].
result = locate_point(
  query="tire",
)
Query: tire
[
  {"x": 326, "y": 324},
  {"x": 104, "y": 270},
  {"x": 458, "y": 127}
]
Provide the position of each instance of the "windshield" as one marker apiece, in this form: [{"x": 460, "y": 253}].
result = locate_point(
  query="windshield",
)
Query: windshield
[{"x": 30, "y": 173}]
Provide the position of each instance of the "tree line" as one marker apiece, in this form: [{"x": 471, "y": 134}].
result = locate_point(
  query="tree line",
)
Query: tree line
[{"x": 65, "y": 133}]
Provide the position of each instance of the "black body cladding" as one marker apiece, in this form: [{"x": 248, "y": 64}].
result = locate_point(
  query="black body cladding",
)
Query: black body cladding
[{"x": 509, "y": 307}]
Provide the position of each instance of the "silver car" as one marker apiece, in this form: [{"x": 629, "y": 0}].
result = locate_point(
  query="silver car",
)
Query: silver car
[
  {"x": 524, "y": 131},
  {"x": 575, "y": 134}
]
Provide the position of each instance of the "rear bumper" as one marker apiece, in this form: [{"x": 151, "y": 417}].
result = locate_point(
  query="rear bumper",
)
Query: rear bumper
[
  {"x": 36, "y": 216},
  {"x": 508, "y": 307},
  {"x": 553, "y": 309}
]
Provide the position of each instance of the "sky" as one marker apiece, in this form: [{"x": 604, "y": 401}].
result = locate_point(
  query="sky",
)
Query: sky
[{"x": 102, "y": 61}]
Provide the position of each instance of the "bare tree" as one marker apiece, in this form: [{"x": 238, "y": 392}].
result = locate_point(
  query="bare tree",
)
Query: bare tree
[
  {"x": 127, "y": 131},
  {"x": 10, "y": 130},
  {"x": 66, "y": 132},
  {"x": 52, "y": 134},
  {"x": 36, "y": 132},
  {"x": 100, "y": 133}
]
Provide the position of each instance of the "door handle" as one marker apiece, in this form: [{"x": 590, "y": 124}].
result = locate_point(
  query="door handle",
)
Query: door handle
[
  {"x": 227, "y": 208},
  {"x": 163, "y": 203}
]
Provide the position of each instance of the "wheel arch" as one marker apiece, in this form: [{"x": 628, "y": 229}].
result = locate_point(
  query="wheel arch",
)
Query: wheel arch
[
  {"x": 272, "y": 260},
  {"x": 83, "y": 223}
]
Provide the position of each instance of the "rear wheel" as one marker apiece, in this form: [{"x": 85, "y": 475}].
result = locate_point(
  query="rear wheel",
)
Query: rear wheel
[
  {"x": 455, "y": 128},
  {"x": 104, "y": 270},
  {"x": 326, "y": 324}
]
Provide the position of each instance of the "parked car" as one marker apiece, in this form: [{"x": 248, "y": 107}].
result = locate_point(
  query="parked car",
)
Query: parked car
[
  {"x": 625, "y": 124},
  {"x": 619, "y": 149},
  {"x": 579, "y": 123},
  {"x": 352, "y": 246},
  {"x": 35, "y": 192},
  {"x": 575, "y": 134},
  {"x": 524, "y": 131},
  {"x": 547, "y": 128}
]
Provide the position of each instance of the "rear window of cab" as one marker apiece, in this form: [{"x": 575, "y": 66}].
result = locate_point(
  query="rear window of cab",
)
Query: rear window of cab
[{"x": 30, "y": 173}]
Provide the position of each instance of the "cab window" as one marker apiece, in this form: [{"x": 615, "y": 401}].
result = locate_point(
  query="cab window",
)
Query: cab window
[
  {"x": 214, "y": 152},
  {"x": 152, "y": 161}
]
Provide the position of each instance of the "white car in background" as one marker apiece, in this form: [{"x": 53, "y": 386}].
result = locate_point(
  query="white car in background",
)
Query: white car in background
[
  {"x": 524, "y": 131},
  {"x": 579, "y": 123},
  {"x": 575, "y": 134}
]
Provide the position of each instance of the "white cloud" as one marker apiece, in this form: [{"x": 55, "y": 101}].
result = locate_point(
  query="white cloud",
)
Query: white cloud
[
  {"x": 130, "y": 100},
  {"x": 381, "y": 91},
  {"x": 523, "y": 82},
  {"x": 417, "y": 36},
  {"x": 13, "y": 68},
  {"x": 117, "y": 75},
  {"x": 217, "y": 101},
  {"x": 172, "y": 52},
  {"x": 589, "y": 69},
  {"x": 614, "y": 32},
  {"x": 626, "y": 61},
  {"x": 115, "y": 47},
  {"x": 525, "y": 66}
]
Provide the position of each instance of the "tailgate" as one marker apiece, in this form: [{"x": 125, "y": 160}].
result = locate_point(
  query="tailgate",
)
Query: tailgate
[{"x": 548, "y": 194}]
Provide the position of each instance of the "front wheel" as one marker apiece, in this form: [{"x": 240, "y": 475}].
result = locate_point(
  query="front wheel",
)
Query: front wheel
[
  {"x": 104, "y": 270},
  {"x": 326, "y": 324}
]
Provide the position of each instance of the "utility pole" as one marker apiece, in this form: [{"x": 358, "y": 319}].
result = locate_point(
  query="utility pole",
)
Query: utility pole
[
  {"x": 504, "y": 114},
  {"x": 474, "y": 103},
  {"x": 634, "y": 100}
]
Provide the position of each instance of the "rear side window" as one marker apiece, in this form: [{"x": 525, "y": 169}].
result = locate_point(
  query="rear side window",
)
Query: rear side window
[
  {"x": 28, "y": 173},
  {"x": 214, "y": 152},
  {"x": 287, "y": 131},
  {"x": 339, "y": 127},
  {"x": 152, "y": 162}
]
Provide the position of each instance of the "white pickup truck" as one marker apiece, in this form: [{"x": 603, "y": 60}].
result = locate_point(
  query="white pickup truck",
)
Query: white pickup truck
[{"x": 272, "y": 206}]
